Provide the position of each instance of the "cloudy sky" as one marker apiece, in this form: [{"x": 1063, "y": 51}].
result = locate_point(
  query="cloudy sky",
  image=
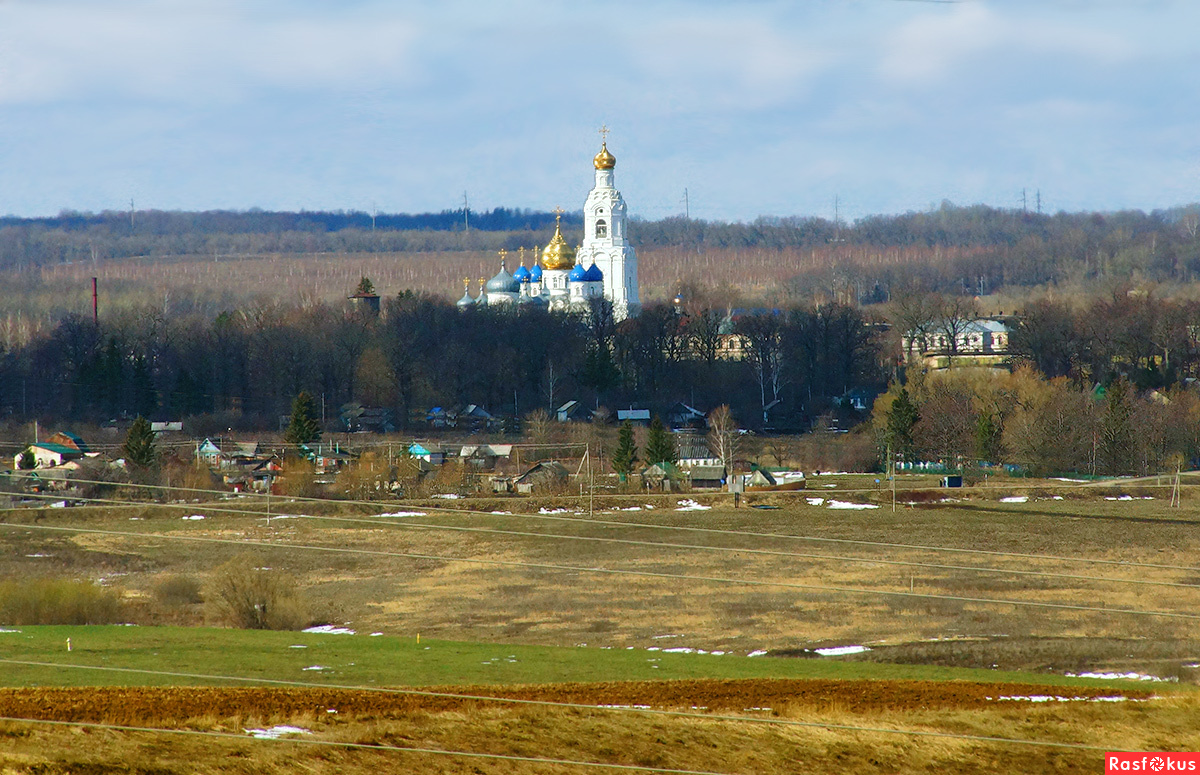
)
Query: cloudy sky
[{"x": 756, "y": 108}]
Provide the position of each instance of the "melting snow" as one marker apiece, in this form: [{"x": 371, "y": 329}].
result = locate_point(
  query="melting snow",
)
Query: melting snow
[
  {"x": 759, "y": 653},
  {"x": 329, "y": 629},
  {"x": 194, "y": 517},
  {"x": 316, "y": 667},
  {"x": 375, "y": 634},
  {"x": 1121, "y": 677},
  {"x": 1015, "y": 499},
  {"x": 691, "y": 505},
  {"x": 544, "y": 510},
  {"x": 1057, "y": 698},
  {"x": 837, "y": 651},
  {"x": 1128, "y": 498},
  {"x": 448, "y": 495},
  {"x": 815, "y": 501},
  {"x": 403, "y": 514},
  {"x": 277, "y": 731},
  {"x": 847, "y": 505},
  {"x": 5, "y": 629},
  {"x": 499, "y": 512},
  {"x": 626, "y": 707},
  {"x": 298, "y": 646}
]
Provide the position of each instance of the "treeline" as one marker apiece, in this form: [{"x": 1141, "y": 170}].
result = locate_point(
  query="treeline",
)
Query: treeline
[
  {"x": 972, "y": 250},
  {"x": 970, "y": 417},
  {"x": 244, "y": 368}
]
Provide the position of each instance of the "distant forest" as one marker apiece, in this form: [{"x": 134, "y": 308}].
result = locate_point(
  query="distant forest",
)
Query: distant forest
[{"x": 971, "y": 250}]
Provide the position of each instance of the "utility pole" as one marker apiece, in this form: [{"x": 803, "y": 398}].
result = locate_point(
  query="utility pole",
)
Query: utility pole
[
  {"x": 1039, "y": 201},
  {"x": 687, "y": 214},
  {"x": 1024, "y": 202},
  {"x": 132, "y": 210},
  {"x": 466, "y": 213},
  {"x": 374, "y": 212}
]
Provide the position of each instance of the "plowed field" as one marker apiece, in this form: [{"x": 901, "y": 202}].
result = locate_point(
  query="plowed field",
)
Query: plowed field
[{"x": 165, "y": 705}]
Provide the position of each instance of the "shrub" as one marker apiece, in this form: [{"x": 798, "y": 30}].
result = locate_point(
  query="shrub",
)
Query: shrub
[
  {"x": 177, "y": 591},
  {"x": 58, "y": 601},
  {"x": 245, "y": 594}
]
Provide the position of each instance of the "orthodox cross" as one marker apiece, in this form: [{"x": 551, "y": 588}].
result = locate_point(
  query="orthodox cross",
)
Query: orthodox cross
[{"x": 603, "y": 134}]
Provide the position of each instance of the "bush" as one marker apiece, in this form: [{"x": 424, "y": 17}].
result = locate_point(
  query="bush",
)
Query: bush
[
  {"x": 245, "y": 594},
  {"x": 178, "y": 591},
  {"x": 58, "y": 601}
]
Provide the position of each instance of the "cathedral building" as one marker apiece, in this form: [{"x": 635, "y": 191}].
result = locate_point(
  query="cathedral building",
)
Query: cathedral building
[{"x": 565, "y": 278}]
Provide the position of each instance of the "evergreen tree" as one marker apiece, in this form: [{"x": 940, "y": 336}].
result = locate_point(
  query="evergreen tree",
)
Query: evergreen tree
[
  {"x": 365, "y": 287},
  {"x": 901, "y": 420},
  {"x": 304, "y": 428},
  {"x": 28, "y": 460},
  {"x": 1116, "y": 453},
  {"x": 988, "y": 432},
  {"x": 660, "y": 446},
  {"x": 625, "y": 455},
  {"x": 139, "y": 443}
]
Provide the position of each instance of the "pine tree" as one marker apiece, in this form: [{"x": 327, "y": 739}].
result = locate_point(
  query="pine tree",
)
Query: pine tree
[
  {"x": 625, "y": 455},
  {"x": 660, "y": 446},
  {"x": 901, "y": 420},
  {"x": 304, "y": 428},
  {"x": 139, "y": 443},
  {"x": 28, "y": 460},
  {"x": 365, "y": 287}
]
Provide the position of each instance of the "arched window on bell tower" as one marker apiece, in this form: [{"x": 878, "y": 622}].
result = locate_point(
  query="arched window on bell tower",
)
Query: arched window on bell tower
[{"x": 601, "y": 229}]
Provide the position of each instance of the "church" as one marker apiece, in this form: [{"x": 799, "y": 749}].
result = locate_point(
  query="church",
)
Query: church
[{"x": 566, "y": 278}]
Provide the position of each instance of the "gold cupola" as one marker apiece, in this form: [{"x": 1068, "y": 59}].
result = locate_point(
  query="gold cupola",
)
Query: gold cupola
[
  {"x": 604, "y": 160},
  {"x": 557, "y": 254}
]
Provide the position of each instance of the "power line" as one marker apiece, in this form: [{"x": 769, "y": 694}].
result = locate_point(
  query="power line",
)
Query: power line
[
  {"x": 611, "y": 571},
  {"x": 542, "y": 703},
  {"x": 409, "y": 524},
  {"x": 620, "y": 523}
]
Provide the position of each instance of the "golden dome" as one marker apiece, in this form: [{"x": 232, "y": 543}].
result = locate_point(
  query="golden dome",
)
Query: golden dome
[
  {"x": 558, "y": 254},
  {"x": 604, "y": 160}
]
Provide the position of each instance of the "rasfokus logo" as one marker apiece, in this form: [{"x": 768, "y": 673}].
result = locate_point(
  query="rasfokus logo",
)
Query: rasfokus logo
[{"x": 1152, "y": 762}]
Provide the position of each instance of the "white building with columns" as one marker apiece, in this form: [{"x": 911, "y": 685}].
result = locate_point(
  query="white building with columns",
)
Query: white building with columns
[{"x": 566, "y": 278}]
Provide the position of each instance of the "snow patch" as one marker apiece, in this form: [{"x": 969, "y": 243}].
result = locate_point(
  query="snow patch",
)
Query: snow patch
[
  {"x": 1122, "y": 677},
  {"x": 193, "y": 518},
  {"x": 1015, "y": 499},
  {"x": 758, "y": 653},
  {"x": 544, "y": 510},
  {"x": 815, "y": 501},
  {"x": 298, "y": 646},
  {"x": 5, "y": 629},
  {"x": 1128, "y": 498},
  {"x": 838, "y": 651},
  {"x": 316, "y": 667},
  {"x": 501, "y": 513},
  {"x": 448, "y": 495},
  {"x": 1056, "y": 698},
  {"x": 275, "y": 732},
  {"x": 691, "y": 505},
  {"x": 329, "y": 629},
  {"x": 402, "y": 514},
  {"x": 854, "y": 506},
  {"x": 375, "y": 634}
]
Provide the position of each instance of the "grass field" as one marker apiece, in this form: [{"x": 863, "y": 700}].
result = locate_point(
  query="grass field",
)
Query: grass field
[{"x": 504, "y": 599}]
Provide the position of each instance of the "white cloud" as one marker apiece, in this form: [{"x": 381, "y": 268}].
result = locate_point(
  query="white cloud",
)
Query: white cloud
[
  {"x": 183, "y": 51},
  {"x": 935, "y": 45}
]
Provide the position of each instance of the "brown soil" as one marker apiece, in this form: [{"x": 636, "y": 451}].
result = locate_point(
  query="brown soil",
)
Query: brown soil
[{"x": 141, "y": 705}]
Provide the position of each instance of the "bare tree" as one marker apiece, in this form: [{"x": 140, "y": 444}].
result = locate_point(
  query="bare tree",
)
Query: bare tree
[{"x": 723, "y": 436}]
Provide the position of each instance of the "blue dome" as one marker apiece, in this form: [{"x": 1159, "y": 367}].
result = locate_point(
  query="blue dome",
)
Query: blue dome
[
  {"x": 503, "y": 282},
  {"x": 594, "y": 275},
  {"x": 521, "y": 275},
  {"x": 578, "y": 274},
  {"x": 535, "y": 274}
]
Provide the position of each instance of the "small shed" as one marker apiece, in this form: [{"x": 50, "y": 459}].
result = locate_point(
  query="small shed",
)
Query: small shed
[
  {"x": 761, "y": 477},
  {"x": 48, "y": 454},
  {"x": 952, "y": 481},
  {"x": 707, "y": 477},
  {"x": 546, "y": 476}
]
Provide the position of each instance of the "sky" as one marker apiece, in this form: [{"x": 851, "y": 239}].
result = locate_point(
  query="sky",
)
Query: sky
[{"x": 753, "y": 108}]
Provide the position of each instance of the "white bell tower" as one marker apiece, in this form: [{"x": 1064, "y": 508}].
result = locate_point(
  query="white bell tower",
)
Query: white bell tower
[{"x": 605, "y": 237}]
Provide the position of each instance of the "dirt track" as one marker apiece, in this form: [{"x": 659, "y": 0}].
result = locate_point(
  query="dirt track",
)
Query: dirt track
[{"x": 140, "y": 705}]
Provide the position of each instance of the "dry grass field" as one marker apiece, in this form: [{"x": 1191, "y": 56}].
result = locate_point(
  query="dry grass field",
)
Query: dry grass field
[
  {"x": 1068, "y": 579},
  {"x": 764, "y": 727},
  {"x": 977, "y": 582}
]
